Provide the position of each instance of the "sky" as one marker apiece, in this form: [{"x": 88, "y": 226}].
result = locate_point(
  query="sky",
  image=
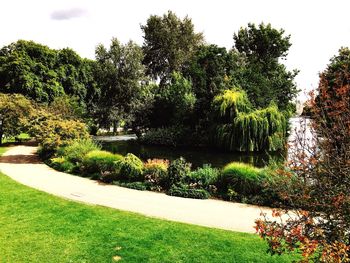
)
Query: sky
[{"x": 317, "y": 28}]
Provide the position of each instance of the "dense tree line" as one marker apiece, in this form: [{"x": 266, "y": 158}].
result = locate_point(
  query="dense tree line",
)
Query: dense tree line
[{"x": 170, "y": 81}]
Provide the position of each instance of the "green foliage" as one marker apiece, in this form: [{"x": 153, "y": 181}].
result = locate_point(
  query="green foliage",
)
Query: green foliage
[
  {"x": 185, "y": 191},
  {"x": 62, "y": 164},
  {"x": 170, "y": 136},
  {"x": 156, "y": 173},
  {"x": 245, "y": 180},
  {"x": 174, "y": 102},
  {"x": 43, "y": 74},
  {"x": 130, "y": 168},
  {"x": 53, "y": 132},
  {"x": 77, "y": 149},
  {"x": 142, "y": 186},
  {"x": 100, "y": 162},
  {"x": 204, "y": 177},
  {"x": 262, "y": 42},
  {"x": 121, "y": 76},
  {"x": 169, "y": 42},
  {"x": 15, "y": 114},
  {"x": 243, "y": 129},
  {"x": 67, "y": 107},
  {"x": 256, "y": 65},
  {"x": 232, "y": 102},
  {"x": 178, "y": 171},
  {"x": 207, "y": 71}
]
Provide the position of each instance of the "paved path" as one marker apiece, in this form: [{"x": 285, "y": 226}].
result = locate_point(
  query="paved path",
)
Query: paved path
[{"x": 21, "y": 164}]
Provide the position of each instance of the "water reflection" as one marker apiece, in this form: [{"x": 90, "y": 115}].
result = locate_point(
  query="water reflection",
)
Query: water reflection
[{"x": 196, "y": 156}]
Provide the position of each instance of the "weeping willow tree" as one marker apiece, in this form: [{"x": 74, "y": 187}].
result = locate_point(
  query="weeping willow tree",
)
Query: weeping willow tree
[{"x": 242, "y": 128}]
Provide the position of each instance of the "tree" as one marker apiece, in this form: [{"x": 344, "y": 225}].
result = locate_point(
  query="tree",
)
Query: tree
[
  {"x": 174, "y": 103},
  {"x": 27, "y": 68},
  {"x": 169, "y": 43},
  {"x": 43, "y": 74},
  {"x": 241, "y": 128},
  {"x": 120, "y": 75},
  {"x": 320, "y": 195},
  {"x": 208, "y": 72},
  {"x": 259, "y": 71},
  {"x": 15, "y": 113}
]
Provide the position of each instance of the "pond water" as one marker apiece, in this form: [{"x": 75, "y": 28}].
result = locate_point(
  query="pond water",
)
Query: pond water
[{"x": 196, "y": 156}]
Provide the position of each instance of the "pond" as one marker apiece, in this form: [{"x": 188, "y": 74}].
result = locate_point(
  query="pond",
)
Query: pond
[
  {"x": 196, "y": 156},
  {"x": 199, "y": 156}
]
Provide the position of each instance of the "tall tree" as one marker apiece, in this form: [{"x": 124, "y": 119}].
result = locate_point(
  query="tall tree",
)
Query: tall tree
[
  {"x": 169, "y": 42},
  {"x": 263, "y": 76},
  {"x": 121, "y": 77},
  {"x": 43, "y": 74},
  {"x": 208, "y": 72}
]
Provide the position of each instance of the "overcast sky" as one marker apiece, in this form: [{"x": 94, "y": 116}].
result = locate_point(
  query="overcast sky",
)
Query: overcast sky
[{"x": 318, "y": 28}]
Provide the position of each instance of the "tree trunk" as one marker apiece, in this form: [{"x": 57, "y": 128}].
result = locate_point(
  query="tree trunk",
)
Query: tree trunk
[{"x": 114, "y": 128}]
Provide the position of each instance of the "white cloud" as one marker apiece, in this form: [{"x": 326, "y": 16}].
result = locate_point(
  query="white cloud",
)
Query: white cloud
[{"x": 67, "y": 14}]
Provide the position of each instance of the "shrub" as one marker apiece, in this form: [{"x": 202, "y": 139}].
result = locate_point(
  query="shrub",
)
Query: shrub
[
  {"x": 178, "y": 171},
  {"x": 155, "y": 172},
  {"x": 134, "y": 185},
  {"x": 76, "y": 151},
  {"x": 130, "y": 168},
  {"x": 170, "y": 136},
  {"x": 62, "y": 164},
  {"x": 100, "y": 162},
  {"x": 53, "y": 132},
  {"x": 204, "y": 177},
  {"x": 240, "y": 178},
  {"x": 185, "y": 191}
]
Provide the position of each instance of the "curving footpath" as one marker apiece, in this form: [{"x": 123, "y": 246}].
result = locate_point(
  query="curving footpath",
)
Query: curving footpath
[{"x": 21, "y": 164}]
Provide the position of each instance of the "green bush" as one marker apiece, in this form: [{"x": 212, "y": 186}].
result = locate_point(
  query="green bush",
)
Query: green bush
[
  {"x": 100, "y": 162},
  {"x": 156, "y": 172},
  {"x": 76, "y": 151},
  {"x": 142, "y": 186},
  {"x": 52, "y": 132},
  {"x": 178, "y": 171},
  {"x": 204, "y": 177},
  {"x": 241, "y": 179},
  {"x": 61, "y": 164},
  {"x": 130, "y": 168},
  {"x": 170, "y": 136},
  {"x": 185, "y": 191}
]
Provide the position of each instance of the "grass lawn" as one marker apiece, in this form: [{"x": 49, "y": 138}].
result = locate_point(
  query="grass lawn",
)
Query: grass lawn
[{"x": 38, "y": 227}]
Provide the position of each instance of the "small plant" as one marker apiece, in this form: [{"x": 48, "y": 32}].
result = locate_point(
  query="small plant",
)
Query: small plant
[
  {"x": 155, "y": 172},
  {"x": 134, "y": 185},
  {"x": 178, "y": 171},
  {"x": 130, "y": 168},
  {"x": 204, "y": 177},
  {"x": 76, "y": 151},
  {"x": 61, "y": 164},
  {"x": 243, "y": 179},
  {"x": 187, "y": 192},
  {"x": 99, "y": 162}
]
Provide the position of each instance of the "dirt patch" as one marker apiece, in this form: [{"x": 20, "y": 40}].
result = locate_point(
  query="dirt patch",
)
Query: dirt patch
[{"x": 20, "y": 159}]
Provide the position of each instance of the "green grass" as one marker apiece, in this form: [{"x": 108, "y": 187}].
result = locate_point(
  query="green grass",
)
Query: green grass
[
  {"x": 38, "y": 227},
  {"x": 2, "y": 150}
]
